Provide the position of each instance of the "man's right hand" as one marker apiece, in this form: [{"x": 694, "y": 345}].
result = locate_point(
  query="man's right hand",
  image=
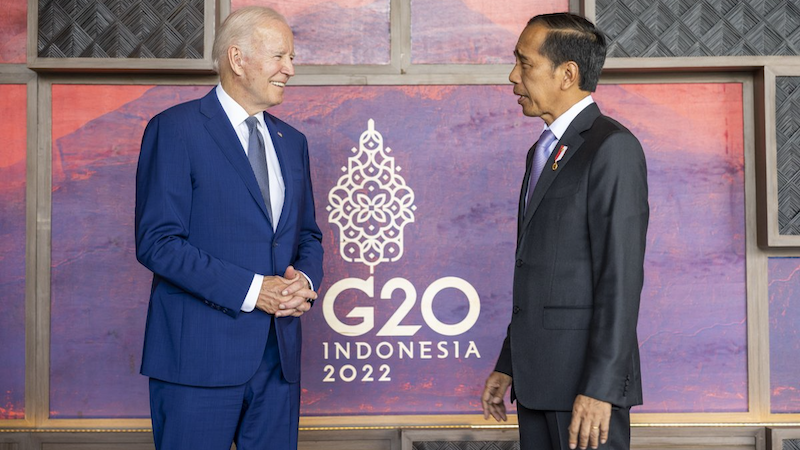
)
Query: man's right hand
[{"x": 492, "y": 399}]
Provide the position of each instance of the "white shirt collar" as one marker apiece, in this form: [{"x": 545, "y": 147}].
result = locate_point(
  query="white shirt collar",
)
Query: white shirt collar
[
  {"x": 559, "y": 126},
  {"x": 236, "y": 114}
]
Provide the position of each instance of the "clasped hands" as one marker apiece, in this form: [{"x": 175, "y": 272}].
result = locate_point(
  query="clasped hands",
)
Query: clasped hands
[
  {"x": 590, "y": 417},
  {"x": 285, "y": 295}
]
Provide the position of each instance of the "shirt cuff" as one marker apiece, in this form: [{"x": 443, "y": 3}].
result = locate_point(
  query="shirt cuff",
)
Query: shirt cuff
[
  {"x": 310, "y": 283},
  {"x": 252, "y": 294}
]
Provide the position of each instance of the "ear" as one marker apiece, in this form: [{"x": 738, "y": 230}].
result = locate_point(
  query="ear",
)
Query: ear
[
  {"x": 571, "y": 76},
  {"x": 236, "y": 59}
]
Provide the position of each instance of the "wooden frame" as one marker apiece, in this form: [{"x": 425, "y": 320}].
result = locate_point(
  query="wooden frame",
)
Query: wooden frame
[
  {"x": 758, "y": 360},
  {"x": 204, "y": 65},
  {"x": 769, "y": 235}
]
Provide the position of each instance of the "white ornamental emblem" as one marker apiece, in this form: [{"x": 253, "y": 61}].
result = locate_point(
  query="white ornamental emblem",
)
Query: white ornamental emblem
[{"x": 371, "y": 204}]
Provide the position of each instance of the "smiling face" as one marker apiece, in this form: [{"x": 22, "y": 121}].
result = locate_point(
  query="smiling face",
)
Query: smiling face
[
  {"x": 262, "y": 67},
  {"x": 537, "y": 83}
]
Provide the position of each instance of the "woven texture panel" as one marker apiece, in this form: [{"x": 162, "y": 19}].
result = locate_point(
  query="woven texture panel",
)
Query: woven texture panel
[
  {"x": 791, "y": 444},
  {"x": 661, "y": 28},
  {"x": 456, "y": 445},
  {"x": 787, "y": 131},
  {"x": 121, "y": 29}
]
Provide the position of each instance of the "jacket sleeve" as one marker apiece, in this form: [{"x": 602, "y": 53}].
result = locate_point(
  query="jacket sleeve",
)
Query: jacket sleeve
[
  {"x": 163, "y": 208},
  {"x": 309, "y": 251},
  {"x": 503, "y": 364},
  {"x": 618, "y": 216}
]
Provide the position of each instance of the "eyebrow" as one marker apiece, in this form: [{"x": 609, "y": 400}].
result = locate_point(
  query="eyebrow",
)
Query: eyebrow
[{"x": 520, "y": 55}]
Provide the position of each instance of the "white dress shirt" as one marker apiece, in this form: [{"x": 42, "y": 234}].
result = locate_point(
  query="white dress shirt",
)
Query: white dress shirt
[{"x": 559, "y": 126}]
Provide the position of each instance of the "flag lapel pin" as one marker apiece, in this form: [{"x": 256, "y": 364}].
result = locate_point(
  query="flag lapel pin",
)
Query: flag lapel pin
[{"x": 561, "y": 152}]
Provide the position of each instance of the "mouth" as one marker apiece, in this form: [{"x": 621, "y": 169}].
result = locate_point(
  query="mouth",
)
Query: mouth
[{"x": 280, "y": 84}]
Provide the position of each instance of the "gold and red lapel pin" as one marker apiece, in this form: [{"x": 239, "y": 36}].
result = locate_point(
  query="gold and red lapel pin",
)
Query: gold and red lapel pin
[{"x": 561, "y": 151}]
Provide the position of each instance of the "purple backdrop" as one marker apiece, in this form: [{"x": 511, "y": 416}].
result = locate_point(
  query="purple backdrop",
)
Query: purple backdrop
[
  {"x": 784, "y": 337},
  {"x": 461, "y": 151}
]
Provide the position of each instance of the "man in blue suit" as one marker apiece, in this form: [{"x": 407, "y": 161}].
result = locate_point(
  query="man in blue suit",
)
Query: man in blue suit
[{"x": 225, "y": 220}]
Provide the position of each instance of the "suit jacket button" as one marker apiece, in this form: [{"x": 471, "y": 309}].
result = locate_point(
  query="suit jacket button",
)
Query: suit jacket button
[
  {"x": 274, "y": 244},
  {"x": 519, "y": 263},
  {"x": 516, "y": 309}
]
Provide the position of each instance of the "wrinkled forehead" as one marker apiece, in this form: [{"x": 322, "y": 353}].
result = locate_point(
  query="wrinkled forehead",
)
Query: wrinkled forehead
[{"x": 274, "y": 35}]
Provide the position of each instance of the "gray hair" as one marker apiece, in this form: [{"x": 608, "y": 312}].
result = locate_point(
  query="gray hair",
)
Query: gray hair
[{"x": 238, "y": 28}]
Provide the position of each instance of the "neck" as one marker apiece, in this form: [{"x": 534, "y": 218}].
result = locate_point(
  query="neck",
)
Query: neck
[
  {"x": 568, "y": 101},
  {"x": 238, "y": 95}
]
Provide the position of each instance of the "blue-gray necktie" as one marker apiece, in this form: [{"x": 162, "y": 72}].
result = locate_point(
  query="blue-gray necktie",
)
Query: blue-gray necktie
[
  {"x": 257, "y": 155},
  {"x": 540, "y": 155}
]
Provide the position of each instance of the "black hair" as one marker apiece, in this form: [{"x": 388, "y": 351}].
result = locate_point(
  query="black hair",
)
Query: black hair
[{"x": 573, "y": 38}]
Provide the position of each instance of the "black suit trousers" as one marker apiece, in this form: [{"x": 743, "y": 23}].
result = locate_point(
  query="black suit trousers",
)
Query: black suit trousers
[{"x": 549, "y": 430}]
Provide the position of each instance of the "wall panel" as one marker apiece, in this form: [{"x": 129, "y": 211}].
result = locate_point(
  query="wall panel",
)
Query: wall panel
[
  {"x": 471, "y": 31},
  {"x": 99, "y": 291},
  {"x": 784, "y": 317},
  {"x": 13, "y": 24},
  {"x": 335, "y": 32},
  {"x": 668, "y": 28},
  {"x": 13, "y": 163}
]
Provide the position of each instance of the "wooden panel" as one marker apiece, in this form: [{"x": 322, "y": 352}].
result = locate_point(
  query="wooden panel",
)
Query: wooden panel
[
  {"x": 99, "y": 446},
  {"x": 783, "y": 439},
  {"x": 642, "y": 438},
  {"x": 349, "y": 440},
  {"x": 139, "y": 440},
  {"x": 122, "y": 36}
]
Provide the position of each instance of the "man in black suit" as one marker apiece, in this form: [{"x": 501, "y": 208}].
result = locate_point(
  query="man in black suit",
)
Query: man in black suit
[{"x": 571, "y": 352}]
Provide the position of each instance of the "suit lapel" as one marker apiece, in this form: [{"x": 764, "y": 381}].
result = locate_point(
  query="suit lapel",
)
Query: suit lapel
[
  {"x": 283, "y": 160},
  {"x": 573, "y": 140},
  {"x": 221, "y": 130}
]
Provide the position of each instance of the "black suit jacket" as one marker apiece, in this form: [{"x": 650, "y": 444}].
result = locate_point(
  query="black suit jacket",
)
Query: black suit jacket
[{"x": 579, "y": 272}]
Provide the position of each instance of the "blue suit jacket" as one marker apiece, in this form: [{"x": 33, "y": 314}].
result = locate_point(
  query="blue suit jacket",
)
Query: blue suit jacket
[{"x": 203, "y": 230}]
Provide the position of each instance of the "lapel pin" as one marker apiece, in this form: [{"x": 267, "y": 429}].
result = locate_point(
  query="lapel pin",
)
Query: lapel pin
[
  {"x": 561, "y": 151},
  {"x": 280, "y": 134}
]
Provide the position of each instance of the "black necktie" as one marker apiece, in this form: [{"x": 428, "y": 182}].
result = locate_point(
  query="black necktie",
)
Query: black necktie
[{"x": 257, "y": 155}]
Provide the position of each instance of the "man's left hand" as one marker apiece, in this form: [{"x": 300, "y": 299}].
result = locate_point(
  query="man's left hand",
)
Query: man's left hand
[{"x": 590, "y": 422}]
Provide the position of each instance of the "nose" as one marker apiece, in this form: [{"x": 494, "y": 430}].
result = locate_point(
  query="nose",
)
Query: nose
[
  {"x": 288, "y": 67},
  {"x": 514, "y": 76}
]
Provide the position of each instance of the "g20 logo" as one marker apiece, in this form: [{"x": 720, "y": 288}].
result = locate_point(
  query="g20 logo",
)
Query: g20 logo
[{"x": 394, "y": 326}]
